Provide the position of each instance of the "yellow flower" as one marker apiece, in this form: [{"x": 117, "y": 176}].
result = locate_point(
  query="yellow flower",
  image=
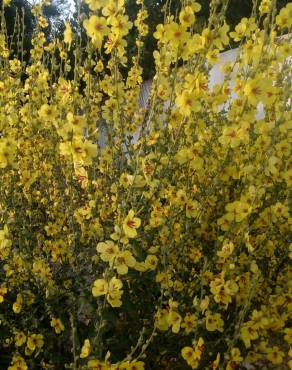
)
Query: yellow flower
[
  {"x": 68, "y": 34},
  {"x": 194, "y": 45},
  {"x": 180, "y": 197},
  {"x": 114, "y": 292},
  {"x": 199, "y": 348},
  {"x": 118, "y": 235},
  {"x": 122, "y": 261},
  {"x": 161, "y": 319},
  {"x": 160, "y": 32},
  {"x": 178, "y": 286},
  {"x": 17, "y": 305},
  {"x": 248, "y": 332},
  {"x": 190, "y": 323},
  {"x": 280, "y": 210},
  {"x": 227, "y": 250},
  {"x": 3, "y": 292},
  {"x": 75, "y": 123},
  {"x": 96, "y": 365},
  {"x": 265, "y": 6},
  {"x": 231, "y": 365},
  {"x": 284, "y": 18},
  {"x": 96, "y": 4},
  {"x": 7, "y": 152},
  {"x": 187, "y": 16},
  {"x": 151, "y": 262},
  {"x": 188, "y": 102},
  {"x": 242, "y": 211},
  {"x": 18, "y": 363},
  {"x": 197, "y": 82},
  {"x": 174, "y": 320},
  {"x": 256, "y": 90},
  {"x": 85, "y": 350},
  {"x": 20, "y": 338},
  {"x": 195, "y": 254},
  {"x": 288, "y": 332},
  {"x": 108, "y": 251},
  {"x": 273, "y": 166},
  {"x": 232, "y": 136},
  {"x": 215, "y": 364},
  {"x": 196, "y": 6},
  {"x": 222, "y": 39},
  {"x": 175, "y": 34},
  {"x": 99, "y": 67},
  {"x": 35, "y": 341},
  {"x": 183, "y": 155},
  {"x": 121, "y": 25},
  {"x": 214, "y": 322},
  {"x": 290, "y": 361},
  {"x": 163, "y": 91},
  {"x": 275, "y": 355},
  {"x": 57, "y": 325},
  {"x": 41, "y": 270},
  {"x": 188, "y": 354},
  {"x": 213, "y": 56},
  {"x": 243, "y": 29},
  {"x": 96, "y": 28},
  {"x": 130, "y": 224},
  {"x": 164, "y": 279},
  {"x": 112, "y": 8},
  {"x": 126, "y": 180},
  {"x": 140, "y": 266},
  {"x": 133, "y": 365},
  {"x": 100, "y": 287},
  {"x": 83, "y": 151},
  {"x": 192, "y": 208},
  {"x": 193, "y": 356},
  {"x": 81, "y": 174},
  {"x": 204, "y": 304},
  {"x": 47, "y": 112}
]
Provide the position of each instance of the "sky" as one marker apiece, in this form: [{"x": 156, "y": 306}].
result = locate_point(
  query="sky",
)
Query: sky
[
  {"x": 71, "y": 4},
  {"x": 68, "y": 6}
]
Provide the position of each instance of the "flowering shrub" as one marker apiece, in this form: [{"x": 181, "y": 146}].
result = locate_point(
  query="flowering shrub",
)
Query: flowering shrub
[{"x": 166, "y": 252}]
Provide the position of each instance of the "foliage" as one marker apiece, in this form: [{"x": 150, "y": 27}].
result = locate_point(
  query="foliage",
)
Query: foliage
[
  {"x": 169, "y": 251},
  {"x": 19, "y": 19}
]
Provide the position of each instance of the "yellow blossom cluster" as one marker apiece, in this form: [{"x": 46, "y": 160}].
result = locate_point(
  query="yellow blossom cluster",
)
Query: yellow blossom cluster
[{"x": 147, "y": 237}]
